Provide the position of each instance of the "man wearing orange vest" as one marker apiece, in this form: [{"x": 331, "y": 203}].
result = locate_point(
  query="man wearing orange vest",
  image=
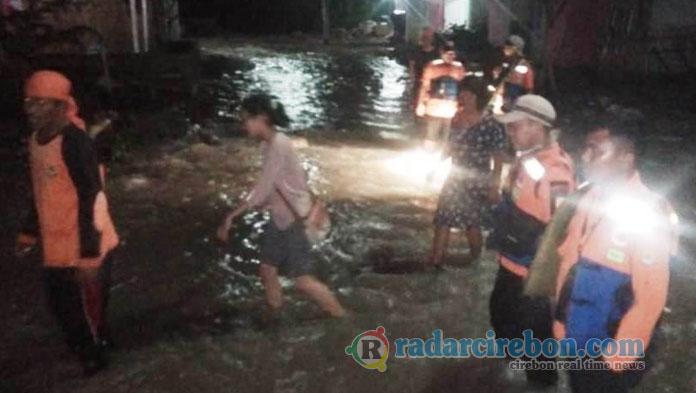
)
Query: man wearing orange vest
[
  {"x": 69, "y": 215},
  {"x": 541, "y": 177},
  {"x": 614, "y": 272},
  {"x": 437, "y": 99}
]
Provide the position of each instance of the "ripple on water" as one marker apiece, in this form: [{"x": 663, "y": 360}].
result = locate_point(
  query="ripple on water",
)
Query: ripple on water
[{"x": 363, "y": 91}]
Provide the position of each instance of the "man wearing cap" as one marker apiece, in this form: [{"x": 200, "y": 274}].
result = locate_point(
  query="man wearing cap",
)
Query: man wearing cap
[
  {"x": 437, "y": 99},
  {"x": 540, "y": 179},
  {"x": 516, "y": 75},
  {"x": 69, "y": 215}
]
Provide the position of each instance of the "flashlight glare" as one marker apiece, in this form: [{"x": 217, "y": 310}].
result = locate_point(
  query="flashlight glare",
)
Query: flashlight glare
[
  {"x": 421, "y": 167},
  {"x": 521, "y": 69},
  {"x": 631, "y": 215}
]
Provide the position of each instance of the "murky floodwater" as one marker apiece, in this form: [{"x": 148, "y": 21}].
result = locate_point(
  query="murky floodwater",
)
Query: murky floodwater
[
  {"x": 381, "y": 205},
  {"x": 184, "y": 308}
]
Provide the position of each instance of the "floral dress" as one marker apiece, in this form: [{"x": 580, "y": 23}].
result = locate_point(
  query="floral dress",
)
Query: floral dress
[{"x": 464, "y": 197}]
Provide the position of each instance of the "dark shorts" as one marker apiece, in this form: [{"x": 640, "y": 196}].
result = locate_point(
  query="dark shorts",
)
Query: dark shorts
[{"x": 287, "y": 250}]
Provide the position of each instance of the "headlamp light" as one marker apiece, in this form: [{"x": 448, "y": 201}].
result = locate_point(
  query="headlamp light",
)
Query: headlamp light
[{"x": 521, "y": 69}]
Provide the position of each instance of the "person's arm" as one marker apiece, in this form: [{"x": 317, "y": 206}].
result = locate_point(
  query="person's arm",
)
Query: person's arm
[
  {"x": 265, "y": 186},
  {"x": 412, "y": 70},
  {"x": 423, "y": 95},
  {"x": 649, "y": 282},
  {"x": 496, "y": 179},
  {"x": 554, "y": 188},
  {"x": 29, "y": 234},
  {"x": 81, "y": 160},
  {"x": 461, "y": 73},
  {"x": 529, "y": 79},
  {"x": 498, "y": 144}
]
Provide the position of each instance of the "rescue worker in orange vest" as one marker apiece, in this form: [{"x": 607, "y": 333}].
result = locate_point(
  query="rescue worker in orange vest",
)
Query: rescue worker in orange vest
[
  {"x": 614, "y": 272},
  {"x": 69, "y": 216},
  {"x": 541, "y": 177},
  {"x": 516, "y": 75},
  {"x": 437, "y": 99}
]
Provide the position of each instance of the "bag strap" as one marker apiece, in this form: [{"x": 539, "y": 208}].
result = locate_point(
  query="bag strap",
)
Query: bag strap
[{"x": 291, "y": 207}]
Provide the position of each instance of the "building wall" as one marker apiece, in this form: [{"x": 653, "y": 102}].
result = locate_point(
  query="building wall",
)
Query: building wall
[{"x": 457, "y": 12}]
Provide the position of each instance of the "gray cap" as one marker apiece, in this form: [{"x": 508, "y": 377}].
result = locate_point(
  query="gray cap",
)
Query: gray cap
[
  {"x": 532, "y": 107},
  {"x": 516, "y": 41}
]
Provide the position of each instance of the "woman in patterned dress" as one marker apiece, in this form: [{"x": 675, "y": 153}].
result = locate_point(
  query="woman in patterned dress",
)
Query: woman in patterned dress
[{"x": 477, "y": 145}]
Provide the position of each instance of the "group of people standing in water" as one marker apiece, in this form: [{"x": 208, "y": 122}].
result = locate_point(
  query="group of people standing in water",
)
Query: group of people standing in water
[
  {"x": 576, "y": 261},
  {"x": 597, "y": 274}
]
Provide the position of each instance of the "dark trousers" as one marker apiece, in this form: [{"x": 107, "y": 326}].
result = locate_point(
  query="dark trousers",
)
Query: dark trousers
[
  {"x": 512, "y": 313},
  {"x": 80, "y": 307},
  {"x": 603, "y": 381}
]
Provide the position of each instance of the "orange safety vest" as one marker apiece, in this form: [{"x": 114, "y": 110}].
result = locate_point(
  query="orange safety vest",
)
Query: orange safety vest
[
  {"x": 522, "y": 75},
  {"x": 57, "y": 205},
  {"x": 614, "y": 271},
  {"x": 441, "y": 105},
  {"x": 538, "y": 183}
]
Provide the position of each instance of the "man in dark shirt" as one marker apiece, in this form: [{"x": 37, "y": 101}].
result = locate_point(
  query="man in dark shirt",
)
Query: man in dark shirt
[{"x": 426, "y": 52}]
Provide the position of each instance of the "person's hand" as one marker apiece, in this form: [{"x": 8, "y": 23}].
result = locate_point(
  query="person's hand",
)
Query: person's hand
[
  {"x": 23, "y": 246},
  {"x": 420, "y": 110},
  {"x": 223, "y": 231}
]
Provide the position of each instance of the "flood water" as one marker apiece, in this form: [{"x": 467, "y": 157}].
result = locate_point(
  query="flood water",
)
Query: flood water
[{"x": 186, "y": 309}]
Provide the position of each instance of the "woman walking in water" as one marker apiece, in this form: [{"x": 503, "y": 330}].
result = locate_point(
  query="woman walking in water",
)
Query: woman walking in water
[
  {"x": 283, "y": 189},
  {"x": 477, "y": 146}
]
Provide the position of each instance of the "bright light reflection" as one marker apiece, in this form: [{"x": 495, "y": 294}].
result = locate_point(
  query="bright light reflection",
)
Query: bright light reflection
[
  {"x": 420, "y": 167},
  {"x": 631, "y": 215}
]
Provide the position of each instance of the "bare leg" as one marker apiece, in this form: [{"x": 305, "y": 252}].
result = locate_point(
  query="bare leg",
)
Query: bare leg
[
  {"x": 274, "y": 293},
  {"x": 475, "y": 239},
  {"x": 321, "y": 294},
  {"x": 440, "y": 244}
]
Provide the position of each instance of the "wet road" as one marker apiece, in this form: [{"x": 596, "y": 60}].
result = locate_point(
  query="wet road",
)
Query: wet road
[{"x": 185, "y": 309}]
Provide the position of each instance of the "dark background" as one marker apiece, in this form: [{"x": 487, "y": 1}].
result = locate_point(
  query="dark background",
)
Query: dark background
[{"x": 276, "y": 16}]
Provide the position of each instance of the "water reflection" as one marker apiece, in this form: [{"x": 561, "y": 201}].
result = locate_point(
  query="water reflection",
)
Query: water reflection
[{"x": 337, "y": 90}]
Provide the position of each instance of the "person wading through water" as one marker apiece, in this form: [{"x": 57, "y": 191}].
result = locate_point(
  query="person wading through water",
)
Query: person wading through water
[
  {"x": 283, "y": 189},
  {"x": 607, "y": 267},
  {"x": 541, "y": 178},
  {"x": 515, "y": 77},
  {"x": 426, "y": 53},
  {"x": 70, "y": 217},
  {"x": 477, "y": 140},
  {"x": 437, "y": 99}
]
